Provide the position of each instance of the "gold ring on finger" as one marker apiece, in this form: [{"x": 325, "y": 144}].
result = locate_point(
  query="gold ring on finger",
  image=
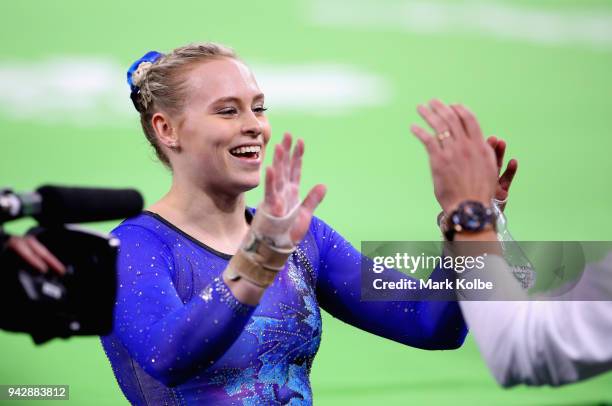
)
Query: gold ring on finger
[{"x": 442, "y": 136}]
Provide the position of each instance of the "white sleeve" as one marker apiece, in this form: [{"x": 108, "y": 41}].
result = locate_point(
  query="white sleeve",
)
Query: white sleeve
[{"x": 546, "y": 342}]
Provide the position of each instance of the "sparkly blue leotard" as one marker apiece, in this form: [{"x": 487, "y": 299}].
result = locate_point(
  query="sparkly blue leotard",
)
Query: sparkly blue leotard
[{"x": 180, "y": 337}]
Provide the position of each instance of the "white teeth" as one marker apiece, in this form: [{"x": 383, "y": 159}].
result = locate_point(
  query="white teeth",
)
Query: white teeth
[{"x": 243, "y": 150}]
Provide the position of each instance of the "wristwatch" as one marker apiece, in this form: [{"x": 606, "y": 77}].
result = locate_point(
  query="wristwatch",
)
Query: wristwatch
[{"x": 470, "y": 217}]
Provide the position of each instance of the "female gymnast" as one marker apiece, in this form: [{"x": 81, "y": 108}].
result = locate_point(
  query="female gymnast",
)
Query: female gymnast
[{"x": 219, "y": 303}]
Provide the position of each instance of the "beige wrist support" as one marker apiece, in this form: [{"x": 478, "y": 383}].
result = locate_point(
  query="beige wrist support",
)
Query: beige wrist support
[{"x": 257, "y": 261}]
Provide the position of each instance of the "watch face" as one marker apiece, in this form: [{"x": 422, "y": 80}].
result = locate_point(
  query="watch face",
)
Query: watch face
[{"x": 471, "y": 216}]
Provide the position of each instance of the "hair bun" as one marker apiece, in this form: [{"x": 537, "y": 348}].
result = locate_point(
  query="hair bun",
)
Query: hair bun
[{"x": 140, "y": 73}]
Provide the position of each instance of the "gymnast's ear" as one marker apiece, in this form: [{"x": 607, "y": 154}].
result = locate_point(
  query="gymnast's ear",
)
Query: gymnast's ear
[{"x": 164, "y": 130}]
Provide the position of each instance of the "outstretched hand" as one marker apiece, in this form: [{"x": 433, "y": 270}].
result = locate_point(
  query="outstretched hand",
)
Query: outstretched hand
[
  {"x": 282, "y": 189},
  {"x": 463, "y": 164}
]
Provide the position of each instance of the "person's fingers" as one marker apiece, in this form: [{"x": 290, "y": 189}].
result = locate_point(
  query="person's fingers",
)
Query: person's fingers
[
  {"x": 272, "y": 201},
  {"x": 499, "y": 147},
  {"x": 469, "y": 122},
  {"x": 432, "y": 145},
  {"x": 287, "y": 141},
  {"x": 500, "y": 152},
  {"x": 270, "y": 188},
  {"x": 434, "y": 121},
  {"x": 21, "y": 247},
  {"x": 307, "y": 208},
  {"x": 505, "y": 181},
  {"x": 45, "y": 255},
  {"x": 449, "y": 116},
  {"x": 277, "y": 164},
  {"x": 314, "y": 197},
  {"x": 296, "y": 162},
  {"x": 492, "y": 141}
]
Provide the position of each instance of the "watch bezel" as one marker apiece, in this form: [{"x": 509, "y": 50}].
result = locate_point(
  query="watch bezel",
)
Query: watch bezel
[{"x": 462, "y": 219}]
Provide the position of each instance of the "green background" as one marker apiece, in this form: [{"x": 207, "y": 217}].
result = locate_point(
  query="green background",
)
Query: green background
[{"x": 550, "y": 102}]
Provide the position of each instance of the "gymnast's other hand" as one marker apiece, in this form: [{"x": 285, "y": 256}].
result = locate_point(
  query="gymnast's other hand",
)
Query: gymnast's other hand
[{"x": 463, "y": 165}]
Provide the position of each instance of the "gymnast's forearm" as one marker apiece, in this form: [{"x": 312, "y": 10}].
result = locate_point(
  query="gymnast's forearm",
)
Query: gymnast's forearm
[{"x": 190, "y": 337}]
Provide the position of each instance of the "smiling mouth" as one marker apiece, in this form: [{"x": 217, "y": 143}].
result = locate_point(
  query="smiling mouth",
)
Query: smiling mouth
[{"x": 247, "y": 152}]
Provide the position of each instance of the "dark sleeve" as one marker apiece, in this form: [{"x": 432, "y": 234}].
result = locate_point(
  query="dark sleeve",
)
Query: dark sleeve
[
  {"x": 168, "y": 338},
  {"x": 422, "y": 324}
]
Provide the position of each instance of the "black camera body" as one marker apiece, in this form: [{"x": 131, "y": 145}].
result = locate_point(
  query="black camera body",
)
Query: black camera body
[
  {"x": 48, "y": 305},
  {"x": 81, "y": 301}
]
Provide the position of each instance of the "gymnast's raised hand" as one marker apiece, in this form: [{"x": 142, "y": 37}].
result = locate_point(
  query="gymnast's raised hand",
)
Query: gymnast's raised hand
[{"x": 280, "y": 223}]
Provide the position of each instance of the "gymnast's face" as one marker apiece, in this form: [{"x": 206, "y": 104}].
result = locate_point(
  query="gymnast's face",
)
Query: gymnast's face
[{"x": 223, "y": 130}]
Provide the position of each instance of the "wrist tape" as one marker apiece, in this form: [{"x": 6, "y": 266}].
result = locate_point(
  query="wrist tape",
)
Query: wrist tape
[
  {"x": 258, "y": 261},
  {"x": 275, "y": 230}
]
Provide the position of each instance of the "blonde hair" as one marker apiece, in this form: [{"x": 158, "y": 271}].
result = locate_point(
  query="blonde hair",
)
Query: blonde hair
[{"x": 161, "y": 85}]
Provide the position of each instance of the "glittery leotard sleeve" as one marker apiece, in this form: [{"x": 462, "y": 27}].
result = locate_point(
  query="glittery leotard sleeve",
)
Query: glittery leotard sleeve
[
  {"x": 168, "y": 338},
  {"x": 423, "y": 324}
]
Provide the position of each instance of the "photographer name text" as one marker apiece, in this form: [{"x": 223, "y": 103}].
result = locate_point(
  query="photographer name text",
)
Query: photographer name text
[{"x": 414, "y": 284}]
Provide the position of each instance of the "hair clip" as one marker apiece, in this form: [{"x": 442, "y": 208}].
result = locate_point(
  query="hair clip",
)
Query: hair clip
[{"x": 151, "y": 57}]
